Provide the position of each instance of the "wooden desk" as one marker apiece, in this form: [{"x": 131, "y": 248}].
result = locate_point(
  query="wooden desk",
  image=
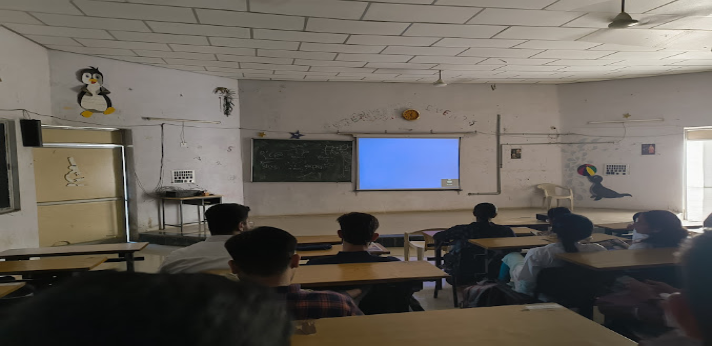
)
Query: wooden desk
[
  {"x": 618, "y": 226},
  {"x": 482, "y": 326},
  {"x": 523, "y": 231},
  {"x": 521, "y": 222},
  {"x": 124, "y": 250},
  {"x": 6, "y": 289},
  {"x": 199, "y": 201},
  {"x": 319, "y": 239},
  {"x": 50, "y": 265},
  {"x": 623, "y": 259},
  {"x": 510, "y": 243},
  {"x": 374, "y": 249},
  {"x": 366, "y": 273}
]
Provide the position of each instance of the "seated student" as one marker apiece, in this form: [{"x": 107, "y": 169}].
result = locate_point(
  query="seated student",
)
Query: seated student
[
  {"x": 657, "y": 229},
  {"x": 267, "y": 256},
  {"x": 551, "y": 216},
  {"x": 456, "y": 262},
  {"x": 224, "y": 221},
  {"x": 119, "y": 308},
  {"x": 570, "y": 230},
  {"x": 358, "y": 230}
]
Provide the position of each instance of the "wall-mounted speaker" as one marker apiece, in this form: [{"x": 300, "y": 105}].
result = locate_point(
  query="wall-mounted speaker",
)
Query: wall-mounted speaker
[{"x": 31, "y": 132}]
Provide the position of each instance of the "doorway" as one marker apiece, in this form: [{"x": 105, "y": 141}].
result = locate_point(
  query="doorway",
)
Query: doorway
[{"x": 698, "y": 173}]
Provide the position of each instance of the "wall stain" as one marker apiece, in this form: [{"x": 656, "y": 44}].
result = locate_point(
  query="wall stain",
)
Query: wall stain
[{"x": 229, "y": 149}]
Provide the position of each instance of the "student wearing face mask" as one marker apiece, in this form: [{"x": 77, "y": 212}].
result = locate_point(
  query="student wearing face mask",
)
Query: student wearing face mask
[{"x": 657, "y": 229}]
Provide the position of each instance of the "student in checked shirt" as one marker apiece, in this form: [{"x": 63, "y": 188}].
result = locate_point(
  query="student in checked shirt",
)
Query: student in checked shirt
[{"x": 267, "y": 255}]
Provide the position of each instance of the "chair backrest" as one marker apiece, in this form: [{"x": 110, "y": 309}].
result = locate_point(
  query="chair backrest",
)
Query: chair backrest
[{"x": 549, "y": 189}]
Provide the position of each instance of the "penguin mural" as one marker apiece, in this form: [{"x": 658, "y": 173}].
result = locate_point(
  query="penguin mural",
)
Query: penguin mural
[
  {"x": 598, "y": 191},
  {"x": 93, "y": 97}
]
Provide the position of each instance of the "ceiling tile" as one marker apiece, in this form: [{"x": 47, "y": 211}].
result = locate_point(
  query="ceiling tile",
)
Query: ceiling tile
[
  {"x": 160, "y": 38},
  {"x": 355, "y": 27},
  {"x": 446, "y": 60},
  {"x": 123, "y": 44},
  {"x": 690, "y": 40},
  {"x": 524, "y": 74},
  {"x": 92, "y": 22},
  {"x": 692, "y": 55},
  {"x": 199, "y": 29},
  {"x": 227, "y": 64},
  {"x": 182, "y": 67},
  {"x": 341, "y": 48},
  {"x": 54, "y": 40},
  {"x": 606, "y": 6},
  {"x": 312, "y": 8},
  {"x": 257, "y": 59},
  {"x": 250, "y": 20},
  {"x": 366, "y": 75},
  {"x": 524, "y": 4},
  {"x": 574, "y": 54},
  {"x": 582, "y": 62},
  {"x": 325, "y": 63},
  {"x": 135, "y": 11},
  {"x": 649, "y": 63},
  {"x": 92, "y": 50},
  {"x": 642, "y": 55},
  {"x": 451, "y": 30},
  {"x": 282, "y": 35},
  {"x": 591, "y": 68},
  {"x": 542, "y": 68},
  {"x": 689, "y": 23},
  {"x": 400, "y": 65},
  {"x": 477, "y": 42},
  {"x": 42, "y": 30},
  {"x": 391, "y": 40},
  {"x": 273, "y": 67},
  {"x": 18, "y": 17},
  {"x": 689, "y": 7},
  {"x": 374, "y": 57},
  {"x": 645, "y": 38},
  {"x": 246, "y": 43},
  {"x": 465, "y": 67},
  {"x": 601, "y": 20},
  {"x": 302, "y": 73},
  {"x": 421, "y": 73},
  {"x": 422, "y": 50},
  {"x": 296, "y": 54},
  {"x": 695, "y": 62},
  {"x": 419, "y": 13},
  {"x": 212, "y": 49},
  {"x": 624, "y": 48},
  {"x": 340, "y": 69},
  {"x": 136, "y": 59},
  {"x": 510, "y": 61},
  {"x": 44, "y": 6},
  {"x": 536, "y": 33},
  {"x": 500, "y": 52},
  {"x": 537, "y": 44},
  {"x": 235, "y": 5},
  {"x": 499, "y": 16},
  {"x": 233, "y": 70},
  {"x": 175, "y": 55}
]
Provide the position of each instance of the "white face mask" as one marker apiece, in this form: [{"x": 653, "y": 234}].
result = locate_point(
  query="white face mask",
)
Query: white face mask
[{"x": 637, "y": 237}]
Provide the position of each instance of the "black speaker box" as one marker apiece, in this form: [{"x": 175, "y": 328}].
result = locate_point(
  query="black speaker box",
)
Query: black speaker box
[{"x": 31, "y": 132}]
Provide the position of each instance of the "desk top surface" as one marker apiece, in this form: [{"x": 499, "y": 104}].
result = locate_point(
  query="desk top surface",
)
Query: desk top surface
[
  {"x": 366, "y": 273},
  {"x": 623, "y": 259},
  {"x": 72, "y": 250},
  {"x": 319, "y": 239},
  {"x": 374, "y": 249},
  {"x": 50, "y": 265},
  {"x": 191, "y": 197},
  {"x": 510, "y": 243},
  {"x": 483, "y": 326},
  {"x": 6, "y": 289}
]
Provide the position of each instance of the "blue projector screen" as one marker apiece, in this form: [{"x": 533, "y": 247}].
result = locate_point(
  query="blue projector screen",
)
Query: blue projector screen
[{"x": 408, "y": 163}]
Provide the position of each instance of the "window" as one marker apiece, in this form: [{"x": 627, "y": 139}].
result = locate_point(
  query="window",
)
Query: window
[{"x": 9, "y": 185}]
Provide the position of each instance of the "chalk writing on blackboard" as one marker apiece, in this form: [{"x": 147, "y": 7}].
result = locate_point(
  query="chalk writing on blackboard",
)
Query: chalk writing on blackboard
[{"x": 302, "y": 161}]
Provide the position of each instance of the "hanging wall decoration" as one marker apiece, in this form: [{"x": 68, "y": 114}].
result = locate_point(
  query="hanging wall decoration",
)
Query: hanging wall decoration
[
  {"x": 648, "y": 149},
  {"x": 296, "y": 135},
  {"x": 226, "y": 96},
  {"x": 93, "y": 96},
  {"x": 598, "y": 191}
]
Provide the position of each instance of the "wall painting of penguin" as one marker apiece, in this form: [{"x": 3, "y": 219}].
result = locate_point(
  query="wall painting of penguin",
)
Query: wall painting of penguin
[
  {"x": 598, "y": 191},
  {"x": 93, "y": 96}
]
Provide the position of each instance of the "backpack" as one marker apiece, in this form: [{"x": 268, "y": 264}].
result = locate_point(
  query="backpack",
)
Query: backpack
[{"x": 492, "y": 293}]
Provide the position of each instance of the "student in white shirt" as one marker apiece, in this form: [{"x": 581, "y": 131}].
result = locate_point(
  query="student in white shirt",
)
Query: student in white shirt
[
  {"x": 657, "y": 229},
  {"x": 570, "y": 230},
  {"x": 224, "y": 221}
]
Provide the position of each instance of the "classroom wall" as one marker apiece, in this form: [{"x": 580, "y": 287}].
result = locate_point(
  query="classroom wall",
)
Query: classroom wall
[
  {"x": 24, "y": 83},
  {"x": 656, "y": 181},
  {"x": 213, "y": 150},
  {"x": 320, "y": 109}
]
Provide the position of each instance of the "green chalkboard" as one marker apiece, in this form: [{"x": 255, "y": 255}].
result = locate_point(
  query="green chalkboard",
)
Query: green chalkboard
[{"x": 276, "y": 160}]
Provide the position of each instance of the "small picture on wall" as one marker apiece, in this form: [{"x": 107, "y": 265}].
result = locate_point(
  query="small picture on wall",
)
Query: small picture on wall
[
  {"x": 516, "y": 154},
  {"x": 648, "y": 149}
]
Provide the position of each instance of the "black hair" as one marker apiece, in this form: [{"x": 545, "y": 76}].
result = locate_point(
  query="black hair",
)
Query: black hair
[
  {"x": 358, "y": 228},
  {"x": 225, "y": 219},
  {"x": 119, "y": 308},
  {"x": 485, "y": 211},
  {"x": 553, "y": 213},
  {"x": 670, "y": 232},
  {"x": 570, "y": 229},
  {"x": 636, "y": 215},
  {"x": 262, "y": 252},
  {"x": 697, "y": 279}
]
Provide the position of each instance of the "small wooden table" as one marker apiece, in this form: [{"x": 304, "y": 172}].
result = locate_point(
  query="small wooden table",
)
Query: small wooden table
[
  {"x": 8, "y": 288},
  {"x": 199, "y": 201},
  {"x": 510, "y": 243},
  {"x": 366, "y": 273},
  {"x": 482, "y": 326},
  {"x": 52, "y": 265},
  {"x": 374, "y": 249},
  {"x": 623, "y": 259},
  {"x": 523, "y": 231},
  {"x": 319, "y": 239},
  {"x": 124, "y": 250},
  {"x": 521, "y": 222}
]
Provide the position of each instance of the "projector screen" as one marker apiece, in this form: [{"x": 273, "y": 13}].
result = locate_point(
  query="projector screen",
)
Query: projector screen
[{"x": 408, "y": 163}]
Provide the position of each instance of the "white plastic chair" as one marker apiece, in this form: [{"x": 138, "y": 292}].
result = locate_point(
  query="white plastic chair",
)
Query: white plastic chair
[
  {"x": 419, "y": 246},
  {"x": 550, "y": 194}
]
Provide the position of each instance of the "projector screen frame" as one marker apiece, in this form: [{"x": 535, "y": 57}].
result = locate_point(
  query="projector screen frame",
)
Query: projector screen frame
[{"x": 357, "y": 171}]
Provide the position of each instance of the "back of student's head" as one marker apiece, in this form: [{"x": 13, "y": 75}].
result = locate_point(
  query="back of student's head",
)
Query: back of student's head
[
  {"x": 263, "y": 251},
  {"x": 485, "y": 211},
  {"x": 358, "y": 228},
  {"x": 665, "y": 228},
  {"x": 553, "y": 213},
  {"x": 118, "y": 309},
  {"x": 570, "y": 229},
  {"x": 697, "y": 280},
  {"x": 225, "y": 219}
]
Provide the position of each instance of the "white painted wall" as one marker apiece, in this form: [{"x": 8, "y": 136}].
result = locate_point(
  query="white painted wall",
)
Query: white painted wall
[
  {"x": 24, "y": 71},
  {"x": 145, "y": 91},
  {"x": 321, "y": 109},
  {"x": 656, "y": 182}
]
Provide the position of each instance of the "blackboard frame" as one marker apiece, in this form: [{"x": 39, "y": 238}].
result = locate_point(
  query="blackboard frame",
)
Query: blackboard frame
[
  {"x": 8, "y": 162},
  {"x": 252, "y": 160}
]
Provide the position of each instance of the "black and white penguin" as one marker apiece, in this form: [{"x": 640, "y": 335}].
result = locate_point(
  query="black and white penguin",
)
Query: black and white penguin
[{"x": 93, "y": 97}]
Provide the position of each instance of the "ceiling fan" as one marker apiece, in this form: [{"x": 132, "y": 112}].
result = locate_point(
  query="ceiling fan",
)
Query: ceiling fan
[{"x": 623, "y": 20}]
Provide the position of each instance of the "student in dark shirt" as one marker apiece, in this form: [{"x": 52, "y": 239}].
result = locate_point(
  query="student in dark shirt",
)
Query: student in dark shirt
[{"x": 358, "y": 231}]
